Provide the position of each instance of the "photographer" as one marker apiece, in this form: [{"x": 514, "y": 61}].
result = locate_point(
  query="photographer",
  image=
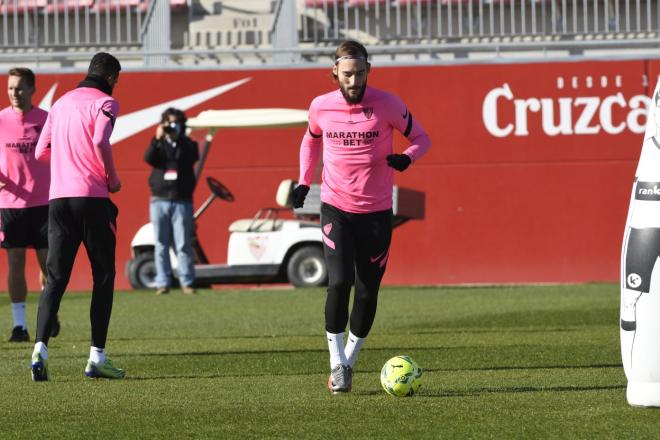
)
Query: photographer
[{"x": 172, "y": 181}]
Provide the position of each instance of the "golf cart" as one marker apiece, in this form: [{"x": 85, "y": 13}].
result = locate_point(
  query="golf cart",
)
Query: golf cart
[{"x": 268, "y": 247}]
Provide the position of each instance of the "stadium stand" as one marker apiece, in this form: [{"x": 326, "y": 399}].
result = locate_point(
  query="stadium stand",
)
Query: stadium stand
[
  {"x": 231, "y": 23},
  {"x": 67, "y": 6},
  {"x": 119, "y": 5},
  {"x": 465, "y": 27},
  {"x": 254, "y": 31},
  {"x": 66, "y": 25}
]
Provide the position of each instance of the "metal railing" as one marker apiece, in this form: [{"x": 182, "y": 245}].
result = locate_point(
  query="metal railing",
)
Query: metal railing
[
  {"x": 161, "y": 33},
  {"x": 41, "y": 24},
  {"x": 385, "y": 21}
]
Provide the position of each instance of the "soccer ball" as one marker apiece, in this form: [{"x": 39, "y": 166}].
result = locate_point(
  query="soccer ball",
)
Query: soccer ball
[{"x": 401, "y": 376}]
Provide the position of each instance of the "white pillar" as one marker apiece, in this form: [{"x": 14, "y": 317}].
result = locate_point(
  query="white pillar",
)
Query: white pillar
[{"x": 285, "y": 32}]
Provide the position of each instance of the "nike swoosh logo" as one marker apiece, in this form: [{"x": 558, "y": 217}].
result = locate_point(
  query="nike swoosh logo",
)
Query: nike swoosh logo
[
  {"x": 374, "y": 259},
  {"x": 135, "y": 122},
  {"x": 47, "y": 101},
  {"x": 132, "y": 123},
  {"x": 405, "y": 115}
]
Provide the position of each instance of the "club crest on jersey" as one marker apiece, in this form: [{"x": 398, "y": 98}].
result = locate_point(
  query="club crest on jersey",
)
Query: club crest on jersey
[{"x": 368, "y": 111}]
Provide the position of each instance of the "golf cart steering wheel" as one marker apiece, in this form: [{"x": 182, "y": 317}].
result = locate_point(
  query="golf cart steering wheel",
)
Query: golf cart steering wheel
[{"x": 219, "y": 189}]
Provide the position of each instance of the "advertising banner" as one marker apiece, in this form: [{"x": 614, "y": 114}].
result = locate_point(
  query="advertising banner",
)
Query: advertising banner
[{"x": 528, "y": 178}]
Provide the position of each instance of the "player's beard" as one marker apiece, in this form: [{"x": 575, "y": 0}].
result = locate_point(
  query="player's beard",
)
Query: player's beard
[{"x": 353, "y": 99}]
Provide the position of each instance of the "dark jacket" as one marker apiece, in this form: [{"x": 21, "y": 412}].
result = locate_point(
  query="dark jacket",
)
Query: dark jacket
[{"x": 162, "y": 156}]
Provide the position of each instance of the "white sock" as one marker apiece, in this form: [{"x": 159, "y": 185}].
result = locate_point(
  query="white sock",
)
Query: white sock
[
  {"x": 353, "y": 346},
  {"x": 336, "y": 348},
  {"x": 96, "y": 355},
  {"x": 18, "y": 312},
  {"x": 41, "y": 349}
]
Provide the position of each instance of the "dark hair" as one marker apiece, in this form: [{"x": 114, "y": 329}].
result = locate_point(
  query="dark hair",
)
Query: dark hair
[
  {"x": 103, "y": 64},
  {"x": 351, "y": 48},
  {"x": 178, "y": 114},
  {"x": 24, "y": 73}
]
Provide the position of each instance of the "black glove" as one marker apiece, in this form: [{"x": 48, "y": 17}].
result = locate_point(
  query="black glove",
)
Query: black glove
[
  {"x": 398, "y": 161},
  {"x": 298, "y": 195}
]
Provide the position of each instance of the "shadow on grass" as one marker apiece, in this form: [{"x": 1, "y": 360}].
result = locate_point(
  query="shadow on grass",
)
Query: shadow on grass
[
  {"x": 248, "y": 352},
  {"x": 226, "y": 376},
  {"x": 502, "y": 390},
  {"x": 322, "y": 351},
  {"x": 282, "y": 354},
  {"x": 403, "y": 332},
  {"x": 323, "y": 372},
  {"x": 228, "y": 353},
  {"x": 196, "y": 338},
  {"x": 526, "y": 367},
  {"x": 498, "y": 330},
  {"x": 18, "y": 347},
  {"x": 424, "y": 394},
  {"x": 537, "y": 319}
]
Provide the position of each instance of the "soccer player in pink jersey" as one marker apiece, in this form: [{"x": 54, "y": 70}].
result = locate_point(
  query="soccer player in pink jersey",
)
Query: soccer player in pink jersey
[
  {"x": 353, "y": 126},
  {"x": 24, "y": 186},
  {"x": 76, "y": 142}
]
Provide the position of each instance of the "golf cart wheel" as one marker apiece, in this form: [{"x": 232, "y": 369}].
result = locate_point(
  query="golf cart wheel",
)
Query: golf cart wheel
[
  {"x": 141, "y": 271},
  {"x": 307, "y": 268}
]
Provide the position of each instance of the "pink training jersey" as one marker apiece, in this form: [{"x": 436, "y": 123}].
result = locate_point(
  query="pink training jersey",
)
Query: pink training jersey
[
  {"x": 26, "y": 180},
  {"x": 356, "y": 138},
  {"x": 76, "y": 139}
]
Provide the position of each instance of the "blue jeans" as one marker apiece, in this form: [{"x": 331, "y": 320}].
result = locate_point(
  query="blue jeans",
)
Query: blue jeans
[{"x": 173, "y": 222}]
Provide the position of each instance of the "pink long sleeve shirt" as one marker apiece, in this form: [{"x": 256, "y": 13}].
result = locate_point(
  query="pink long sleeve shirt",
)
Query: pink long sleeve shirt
[
  {"x": 356, "y": 138},
  {"x": 26, "y": 180},
  {"x": 76, "y": 140}
]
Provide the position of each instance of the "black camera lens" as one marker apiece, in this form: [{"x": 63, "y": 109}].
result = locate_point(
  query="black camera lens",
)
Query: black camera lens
[{"x": 171, "y": 128}]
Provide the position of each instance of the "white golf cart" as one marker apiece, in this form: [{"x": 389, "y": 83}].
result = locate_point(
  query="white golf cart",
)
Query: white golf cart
[{"x": 265, "y": 248}]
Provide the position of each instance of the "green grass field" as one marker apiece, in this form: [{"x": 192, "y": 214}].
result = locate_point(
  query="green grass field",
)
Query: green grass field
[{"x": 500, "y": 363}]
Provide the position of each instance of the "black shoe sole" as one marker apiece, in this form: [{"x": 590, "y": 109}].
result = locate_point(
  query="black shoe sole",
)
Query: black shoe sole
[
  {"x": 25, "y": 337},
  {"x": 39, "y": 374}
]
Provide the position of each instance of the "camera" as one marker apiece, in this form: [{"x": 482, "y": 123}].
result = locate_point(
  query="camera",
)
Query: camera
[{"x": 172, "y": 128}]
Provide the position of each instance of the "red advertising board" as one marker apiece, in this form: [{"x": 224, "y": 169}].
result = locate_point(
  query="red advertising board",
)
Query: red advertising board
[{"x": 528, "y": 179}]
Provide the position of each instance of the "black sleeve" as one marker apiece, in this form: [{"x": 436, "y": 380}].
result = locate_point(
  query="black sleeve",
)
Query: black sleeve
[
  {"x": 154, "y": 156},
  {"x": 191, "y": 152}
]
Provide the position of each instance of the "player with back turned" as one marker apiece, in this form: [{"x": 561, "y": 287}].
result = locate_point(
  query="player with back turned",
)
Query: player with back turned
[
  {"x": 76, "y": 141},
  {"x": 354, "y": 126}
]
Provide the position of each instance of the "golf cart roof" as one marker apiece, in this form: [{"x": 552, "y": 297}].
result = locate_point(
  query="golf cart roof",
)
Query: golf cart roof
[{"x": 253, "y": 117}]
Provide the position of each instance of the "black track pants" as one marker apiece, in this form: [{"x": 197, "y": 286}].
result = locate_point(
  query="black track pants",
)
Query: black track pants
[
  {"x": 356, "y": 249},
  {"x": 71, "y": 221}
]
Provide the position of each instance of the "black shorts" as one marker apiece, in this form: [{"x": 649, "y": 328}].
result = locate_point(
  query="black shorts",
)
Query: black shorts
[
  {"x": 24, "y": 227},
  {"x": 356, "y": 240}
]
